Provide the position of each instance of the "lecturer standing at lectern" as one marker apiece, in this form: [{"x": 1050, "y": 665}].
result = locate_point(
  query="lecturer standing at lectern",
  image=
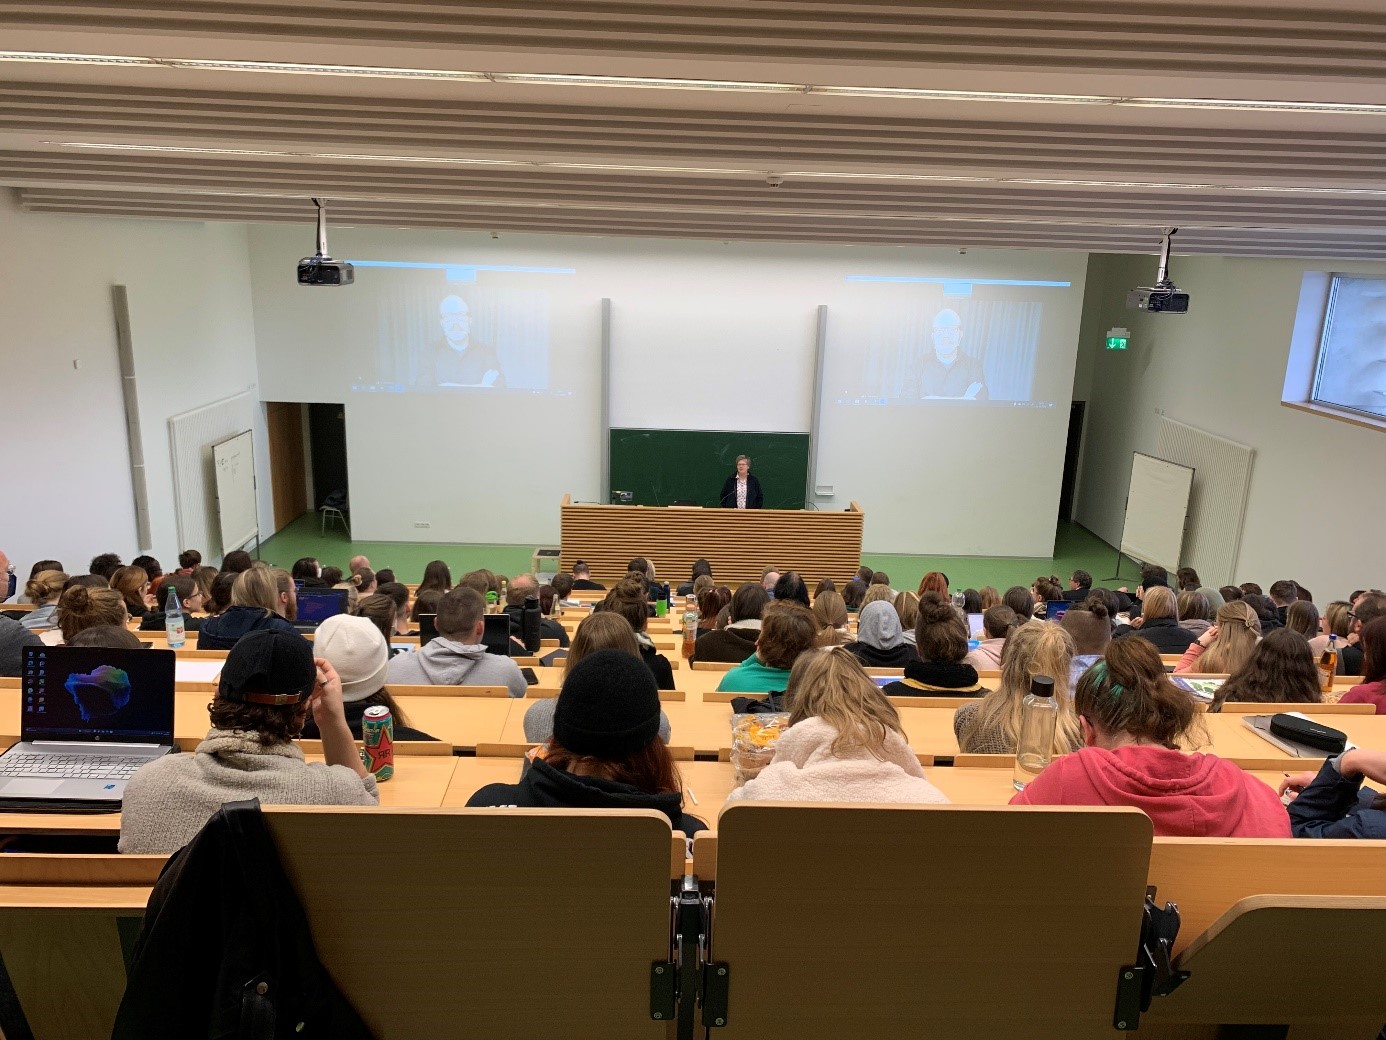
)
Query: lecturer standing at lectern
[{"x": 742, "y": 491}]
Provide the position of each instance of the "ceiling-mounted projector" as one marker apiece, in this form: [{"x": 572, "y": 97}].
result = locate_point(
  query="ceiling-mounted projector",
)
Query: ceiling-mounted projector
[
  {"x": 1164, "y": 296},
  {"x": 321, "y": 269}
]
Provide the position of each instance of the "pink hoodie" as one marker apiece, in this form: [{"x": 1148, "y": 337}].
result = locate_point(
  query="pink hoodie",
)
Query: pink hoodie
[{"x": 1188, "y": 796}]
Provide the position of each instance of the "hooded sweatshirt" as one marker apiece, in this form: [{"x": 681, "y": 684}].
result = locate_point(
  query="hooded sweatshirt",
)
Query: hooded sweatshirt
[
  {"x": 880, "y": 643},
  {"x": 732, "y": 644},
  {"x": 806, "y": 769},
  {"x": 987, "y": 656},
  {"x": 1367, "y": 693},
  {"x": 544, "y": 787},
  {"x": 1185, "y": 796},
  {"x": 446, "y": 662},
  {"x": 222, "y": 632}
]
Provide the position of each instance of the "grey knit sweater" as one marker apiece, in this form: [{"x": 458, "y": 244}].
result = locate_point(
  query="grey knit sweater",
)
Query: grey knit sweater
[{"x": 168, "y": 800}]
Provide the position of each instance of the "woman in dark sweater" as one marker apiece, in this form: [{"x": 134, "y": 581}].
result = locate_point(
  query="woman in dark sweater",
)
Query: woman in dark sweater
[
  {"x": 628, "y": 600},
  {"x": 940, "y": 637},
  {"x": 1159, "y": 623},
  {"x": 606, "y": 752},
  {"x": 880, "y": 643},
  {"x": 737, "y": 641}
]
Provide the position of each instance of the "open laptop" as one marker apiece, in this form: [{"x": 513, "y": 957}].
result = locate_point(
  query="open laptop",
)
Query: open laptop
[
  {"x": 89, "y": 717},
  {"x": 317, "y": 605},
  {"x": 496, "y": 636}
]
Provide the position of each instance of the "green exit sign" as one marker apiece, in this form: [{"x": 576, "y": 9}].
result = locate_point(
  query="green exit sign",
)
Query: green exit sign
[{"x": 1117, "y": 342}]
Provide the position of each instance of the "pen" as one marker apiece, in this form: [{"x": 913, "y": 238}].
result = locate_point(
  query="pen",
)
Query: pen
[{"x": 692, "y": 795}]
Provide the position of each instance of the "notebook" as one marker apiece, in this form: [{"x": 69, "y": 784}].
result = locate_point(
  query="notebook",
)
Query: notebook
[{"x": 89, "y": 717}]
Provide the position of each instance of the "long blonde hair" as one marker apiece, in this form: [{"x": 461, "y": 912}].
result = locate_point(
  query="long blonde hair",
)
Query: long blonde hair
[
  {"x": 1034, "y": 648},
  {"x": 830, "y": 684},
  {"x": 1239, "y": 629}
]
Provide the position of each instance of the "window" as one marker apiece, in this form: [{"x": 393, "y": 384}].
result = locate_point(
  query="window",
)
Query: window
[{"x": 1351, "y": 368}]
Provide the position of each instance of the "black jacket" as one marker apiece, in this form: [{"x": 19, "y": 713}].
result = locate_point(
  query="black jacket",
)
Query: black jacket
[
  {"x": 755, "y": 498},
  {"x": 544, "y": 787},
  {"x": 157, "y": 621},
  {"x": 355, "y": 711},
  {"x": 1164, "y": 632},
  {"x": 1350, "y": 660},
  {"x": 222, "y": 921},
  {"x": 730, "y": 645},
  {"x": 659, "y": 667},
  {"x": 1335, "y": 807},
  {"x": 222, "y": 631},
  {"x": 587, "y": 583},
  {"x": 936, "y": 679},
  {"x": 871, "y": 657}
]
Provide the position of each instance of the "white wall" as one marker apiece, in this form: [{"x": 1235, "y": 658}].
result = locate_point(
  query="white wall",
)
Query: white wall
[
  {"x": 705, "y": 335},
  {"x": 1221, "y": 368},
  {"x": 65, "y": 475}
]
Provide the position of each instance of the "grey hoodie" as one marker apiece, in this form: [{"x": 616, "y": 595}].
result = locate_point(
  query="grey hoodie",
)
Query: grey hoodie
[{"x": 445, "y": 662}]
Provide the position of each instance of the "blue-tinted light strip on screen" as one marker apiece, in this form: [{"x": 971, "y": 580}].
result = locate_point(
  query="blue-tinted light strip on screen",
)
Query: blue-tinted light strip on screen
[
  {"x": 959, "y": 287},
  {"x": 463, "y": 272}
]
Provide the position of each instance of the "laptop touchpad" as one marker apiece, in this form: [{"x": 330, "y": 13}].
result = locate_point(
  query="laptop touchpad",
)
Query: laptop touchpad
[{"x": 22, "y": 787}]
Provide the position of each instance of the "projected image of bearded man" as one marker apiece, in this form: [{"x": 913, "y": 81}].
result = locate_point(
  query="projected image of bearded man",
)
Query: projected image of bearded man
[
  {"x": 458, "y": 359},
  {"x": 948, "y": 371}
]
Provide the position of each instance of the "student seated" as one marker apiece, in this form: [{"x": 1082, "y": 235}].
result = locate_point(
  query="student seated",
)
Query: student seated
[
  {"x": 457, "y": 657},
  {"x": 219, "y": 592},
  {"x": 701, "y": 568},
  {"x": 1159, "y": 622},
  {"x": 133, "y": 585},
  {"x": 436, "y": 577},
  {"x": 308, "y": 571},
  {"x": 1132, "y": 718},
  {"x": 14, "y": 637},
  {"x": 521, "y": 588},
  {"x": 1303, "y": 617},
  {"x": 45, "y": 589},
  {"x": 628, "y": 599},
  {"x": 1372, "y": 690},
  {"x": 854, "y": 594},
  {"x": 1332, "y": 803},
  {"x": 606, "y": 752},
  {"x": 1091, "y": 629},
  {"x": 1227, "y": 645},
  {"x": 790, "y": 588},
  {"x": 582, "y": 578},
  {"x": 264, "y": 693},
  {"x": 1021, "y": 600},
  {"x": 992, "y": 726},
  {"x": 831, "y": 612},
  {"x": 604, "y": 630},
  {"x": 997, "y": 622},
  {"x": 907, "y": 607},
  {"x": 82, "y": 607},
  {"x": 880, "y": 643},
  {"x": 1279, "y": 669},
  {"x": 115, "y": 636},
  {"x": 737, "y": 641},
  {"x": 262, "y": 599},
  {"x": 355, "y": 647},
  {"x": 844, "y": 742},
  {"x": 713, "y": 605},
  {"x": 1196, "y": 613},
  {"x": 786, "y": 631},
  {"x": 941, "y": 640},
  {"x": 189, "y": 598}
]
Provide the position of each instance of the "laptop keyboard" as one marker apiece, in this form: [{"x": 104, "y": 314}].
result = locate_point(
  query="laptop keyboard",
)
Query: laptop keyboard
[{"x": 70, "y": 767}]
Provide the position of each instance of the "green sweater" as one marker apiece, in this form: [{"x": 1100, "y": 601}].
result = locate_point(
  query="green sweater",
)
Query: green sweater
[{"x": 754, "y": 676}]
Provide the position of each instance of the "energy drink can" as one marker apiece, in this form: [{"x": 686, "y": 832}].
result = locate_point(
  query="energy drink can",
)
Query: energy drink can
[{"x": 378, "y": 736}]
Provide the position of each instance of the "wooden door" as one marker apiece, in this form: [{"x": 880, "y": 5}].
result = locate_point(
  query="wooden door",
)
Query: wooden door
[{"x": 287, "y": 476}]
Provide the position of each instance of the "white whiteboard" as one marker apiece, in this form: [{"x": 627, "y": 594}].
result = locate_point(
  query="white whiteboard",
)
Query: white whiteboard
[
  {"x": 1156, "y": 507},
  {"x": 234, "y": 462}
]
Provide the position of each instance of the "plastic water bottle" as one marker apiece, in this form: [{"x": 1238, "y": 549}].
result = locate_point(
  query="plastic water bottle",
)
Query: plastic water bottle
[
  {"x": 1328, "y": 665},
  {"x": 1039, "y": 717},
  {"x": 173, "y": 621}
]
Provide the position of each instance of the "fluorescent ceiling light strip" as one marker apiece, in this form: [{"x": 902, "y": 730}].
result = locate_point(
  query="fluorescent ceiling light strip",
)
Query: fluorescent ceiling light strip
[
  {"x": 735, "y": 86},
  {"x": 941, "y": 178}
]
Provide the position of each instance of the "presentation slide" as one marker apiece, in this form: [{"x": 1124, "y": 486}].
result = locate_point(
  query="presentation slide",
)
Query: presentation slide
[
  {"x": 441, "y": 328},
  {"x": 935, "y": 341}
]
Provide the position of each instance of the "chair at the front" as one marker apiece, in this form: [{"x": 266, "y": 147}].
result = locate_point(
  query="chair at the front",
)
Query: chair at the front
[
  {"x": 923, "y": 921},
  {"x": 491, "y": 923}
]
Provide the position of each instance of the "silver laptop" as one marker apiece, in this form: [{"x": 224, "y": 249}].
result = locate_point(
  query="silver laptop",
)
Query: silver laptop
[{"x": 89, "y": 717}]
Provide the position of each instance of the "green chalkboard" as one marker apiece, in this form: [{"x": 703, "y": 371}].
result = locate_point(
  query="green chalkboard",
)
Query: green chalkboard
[{"x": 661, "y": 467}]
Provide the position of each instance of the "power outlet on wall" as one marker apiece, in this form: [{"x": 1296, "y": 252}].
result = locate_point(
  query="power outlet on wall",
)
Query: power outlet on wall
[{"x": 422, "y": 524}]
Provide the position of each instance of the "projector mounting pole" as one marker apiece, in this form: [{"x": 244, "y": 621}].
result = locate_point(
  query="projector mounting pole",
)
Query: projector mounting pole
[
  {"x": 322, "y": 232},
  {"x": 1161, "y": 276}
]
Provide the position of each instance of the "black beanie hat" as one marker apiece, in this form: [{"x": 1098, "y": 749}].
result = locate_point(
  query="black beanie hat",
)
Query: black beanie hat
[
  {"x": 608, "y": 707},
  {"x": 267, "y": 667}
]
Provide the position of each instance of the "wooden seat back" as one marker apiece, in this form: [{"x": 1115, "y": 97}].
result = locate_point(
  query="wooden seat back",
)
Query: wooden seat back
[
  {"x": 1269, "y": 708},
  {"x": 404, "y": 690},
  {"x": 68, "y": 924},
  {"x": 910, "y": 936},
  {"x": 471, "y": 947}
]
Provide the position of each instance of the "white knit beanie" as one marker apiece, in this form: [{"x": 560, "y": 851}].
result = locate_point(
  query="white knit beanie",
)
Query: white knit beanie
[{"x": 358, "y": 651}]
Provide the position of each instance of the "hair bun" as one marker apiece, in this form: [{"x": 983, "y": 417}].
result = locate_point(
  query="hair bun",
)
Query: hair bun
[
  {"x": 1098, "y": 609},
  {"x": 934, "y": 610}
]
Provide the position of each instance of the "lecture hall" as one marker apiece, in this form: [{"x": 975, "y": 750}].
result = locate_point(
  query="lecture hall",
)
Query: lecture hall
[{"x": 829, "y": 506}]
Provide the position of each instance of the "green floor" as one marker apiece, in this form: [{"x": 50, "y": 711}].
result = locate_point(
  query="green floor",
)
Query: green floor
[{"x": 1075, "y": 548}]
